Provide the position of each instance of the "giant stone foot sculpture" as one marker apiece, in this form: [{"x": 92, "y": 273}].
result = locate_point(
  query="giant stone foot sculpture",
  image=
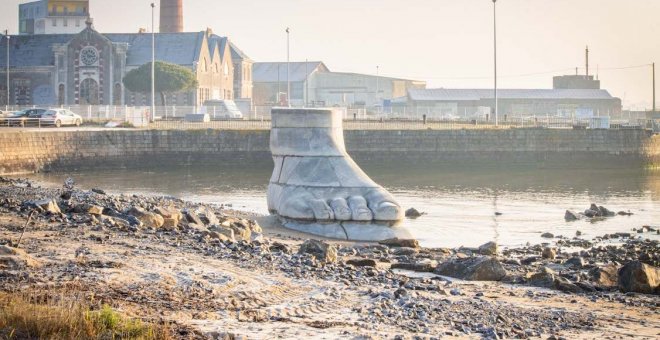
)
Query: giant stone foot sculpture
[{"x": 316, "y": 186}]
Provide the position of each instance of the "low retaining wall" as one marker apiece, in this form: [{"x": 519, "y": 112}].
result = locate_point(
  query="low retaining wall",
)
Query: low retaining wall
[{"x": 46, "y": 150}]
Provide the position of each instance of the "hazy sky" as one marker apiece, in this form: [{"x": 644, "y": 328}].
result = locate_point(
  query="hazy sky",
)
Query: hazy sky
[{"x": 448, "y": 43}]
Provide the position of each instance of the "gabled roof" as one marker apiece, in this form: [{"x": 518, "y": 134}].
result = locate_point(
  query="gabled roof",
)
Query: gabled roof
[
  {"x": 175, "y": 48},
  {"x": 31, "y": 50},
  {"x": 220, "y": 42},
  {"x": 277, "y": 71},
  {"x": 237, "y": 54},
  {"x": 370, "y": 75},
  {"x": 478, "y": 94}
]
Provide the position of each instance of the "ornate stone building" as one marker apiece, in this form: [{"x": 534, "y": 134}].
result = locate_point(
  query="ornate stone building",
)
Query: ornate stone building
[{"x": 88, "y": 68}]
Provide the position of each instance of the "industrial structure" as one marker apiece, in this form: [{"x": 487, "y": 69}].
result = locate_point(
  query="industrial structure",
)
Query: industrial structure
[
  {"x": 313, "y": 84},
  {"x": 572, "y": 96},
  {"x": 171, "y": 16},
  {"x": 477, "y": 103},
  {"x": 52, "y": 16}
]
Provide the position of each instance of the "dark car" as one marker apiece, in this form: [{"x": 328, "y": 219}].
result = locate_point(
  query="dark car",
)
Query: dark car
[{"x": 25, "y": 117}]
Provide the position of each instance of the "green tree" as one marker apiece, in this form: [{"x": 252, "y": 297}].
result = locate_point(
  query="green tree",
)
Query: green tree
[{"x": 170, "y": 78}]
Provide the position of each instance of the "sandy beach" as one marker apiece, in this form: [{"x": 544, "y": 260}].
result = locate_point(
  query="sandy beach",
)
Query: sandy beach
[{"x": 256, "y": 283}]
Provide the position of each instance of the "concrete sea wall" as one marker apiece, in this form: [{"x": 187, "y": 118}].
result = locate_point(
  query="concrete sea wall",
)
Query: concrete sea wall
[{"x": 55, "y": 150}]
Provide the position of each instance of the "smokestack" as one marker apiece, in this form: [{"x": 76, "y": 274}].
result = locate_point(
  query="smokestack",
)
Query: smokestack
[
  {"x": 171, "y": 16},
  {"x": 587, "y": 62}
]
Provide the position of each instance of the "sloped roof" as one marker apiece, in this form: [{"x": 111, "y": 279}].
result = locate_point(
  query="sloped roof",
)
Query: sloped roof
[
  {"x": 478, "y": 94},
  {"x": 371, "y": 75},
  {"x": 220, "y": 42},
  {"x": 273, "y": 71},
  {"x": 237, "y": 54},
  {"x": 31, "y": 50},
  {"x": 175, "y": 48}
]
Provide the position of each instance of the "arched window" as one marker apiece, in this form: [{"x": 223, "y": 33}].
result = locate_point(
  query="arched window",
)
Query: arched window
[
  {"x": 89, "y": 92},
  {"x": 206, "y": 65},
  {"x": 60, "y": 95}
]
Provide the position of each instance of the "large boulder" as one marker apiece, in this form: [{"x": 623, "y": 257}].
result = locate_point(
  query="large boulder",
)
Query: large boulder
[
  {"x": 570, "y": 216},
  {"x": 549, "y": 253},
  {"x": 423, "y": 266},
  {"x": 605, "y": 212},
  {"x": 171, "y": 217},
  {"x": 85, "y": 208},
  {"x": 322, "y": 251},
  {"x": 227, "y": 232},
  {"x": 547, "y": 278},
  {"x": 207, "y": 215},
  {"x": 639, "y": 277},
  {"x": 413, "y": 213},
  {"x": 606, "y": 276},
  {"x": 397, "y": 242},
  {"x": 47, "y": 205},
  {"x": 147, "y": 218},
  {"x": 14, "y": 258},
  {"x": 489, "y": 249},
  {"x": 473, "y": 269},
  {"x": 192, "y": 217}
]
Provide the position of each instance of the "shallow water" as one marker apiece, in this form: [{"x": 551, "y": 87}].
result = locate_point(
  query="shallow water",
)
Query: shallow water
[{"x": 460, "y": 201}]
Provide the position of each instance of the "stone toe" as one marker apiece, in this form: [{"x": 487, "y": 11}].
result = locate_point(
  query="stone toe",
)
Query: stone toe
[
  {"x": 340, "y": 208},
  {"x": 359, "y": 209},
  {"x": 298, "y": 209},
  {"x": 321, "y": 209},
  {"x": 387, "y": 211}
]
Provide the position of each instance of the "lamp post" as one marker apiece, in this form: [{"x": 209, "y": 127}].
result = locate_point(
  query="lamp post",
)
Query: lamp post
[
  {"x": 7, "y": 103},
  {"x": 495, "y": 56},
  {"x": 653, "y": 70},
  {"x": 288, "y": 70},
  {"x": 153, "y": 63},
  {"x": 377, "y": 84}
]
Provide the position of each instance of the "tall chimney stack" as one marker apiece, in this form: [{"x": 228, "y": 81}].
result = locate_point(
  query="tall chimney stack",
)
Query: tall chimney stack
[
  {"x": 587, "y": 62},
  {"x": 171, "y": 16}
]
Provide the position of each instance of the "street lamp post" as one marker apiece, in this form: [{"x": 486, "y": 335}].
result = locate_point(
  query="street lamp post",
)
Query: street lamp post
[
  {"x": 495, "y": 56},
  {"x": 377, "y": 84},
  {"x": 288, "y": 70},
  {"x": 153, "y": 63},
  {"x": 7, "y": 103}
]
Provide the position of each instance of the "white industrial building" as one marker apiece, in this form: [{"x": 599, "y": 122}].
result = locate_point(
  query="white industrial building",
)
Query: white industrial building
[{"x": 313, "y": 84}]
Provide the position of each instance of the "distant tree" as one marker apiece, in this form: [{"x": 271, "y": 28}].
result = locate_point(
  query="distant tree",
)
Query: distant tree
[{"x": 170, "y": 78}]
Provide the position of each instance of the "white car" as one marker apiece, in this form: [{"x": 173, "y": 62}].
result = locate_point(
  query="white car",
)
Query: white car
[{"x": 60, "y": 117}]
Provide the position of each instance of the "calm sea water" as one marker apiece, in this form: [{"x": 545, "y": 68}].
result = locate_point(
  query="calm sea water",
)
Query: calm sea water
[{"x": 460, "y": 201}]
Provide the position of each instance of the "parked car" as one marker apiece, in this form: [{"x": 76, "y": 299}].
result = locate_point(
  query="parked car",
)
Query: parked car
[
  {"x": 24, "y": 117},
  {"x": 60, "y": 117}
]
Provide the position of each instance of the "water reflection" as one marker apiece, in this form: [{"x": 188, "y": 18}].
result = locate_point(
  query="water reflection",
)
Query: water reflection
[{"x": 461, "y": 201}]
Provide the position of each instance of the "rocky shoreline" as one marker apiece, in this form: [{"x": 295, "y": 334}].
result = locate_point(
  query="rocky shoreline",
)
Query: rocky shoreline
[{"x": 212, "y": 272}]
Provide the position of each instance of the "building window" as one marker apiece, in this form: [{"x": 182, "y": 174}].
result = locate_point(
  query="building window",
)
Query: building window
[
  {"x": 89, "y": 92},
  {"x": 54, "y": 9},
  {"x": 54, "y": 22},
  {"x": 22, "y": 92},
  {"x": 66, "y": 22},
  {"x": 77, "y": 22}
]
